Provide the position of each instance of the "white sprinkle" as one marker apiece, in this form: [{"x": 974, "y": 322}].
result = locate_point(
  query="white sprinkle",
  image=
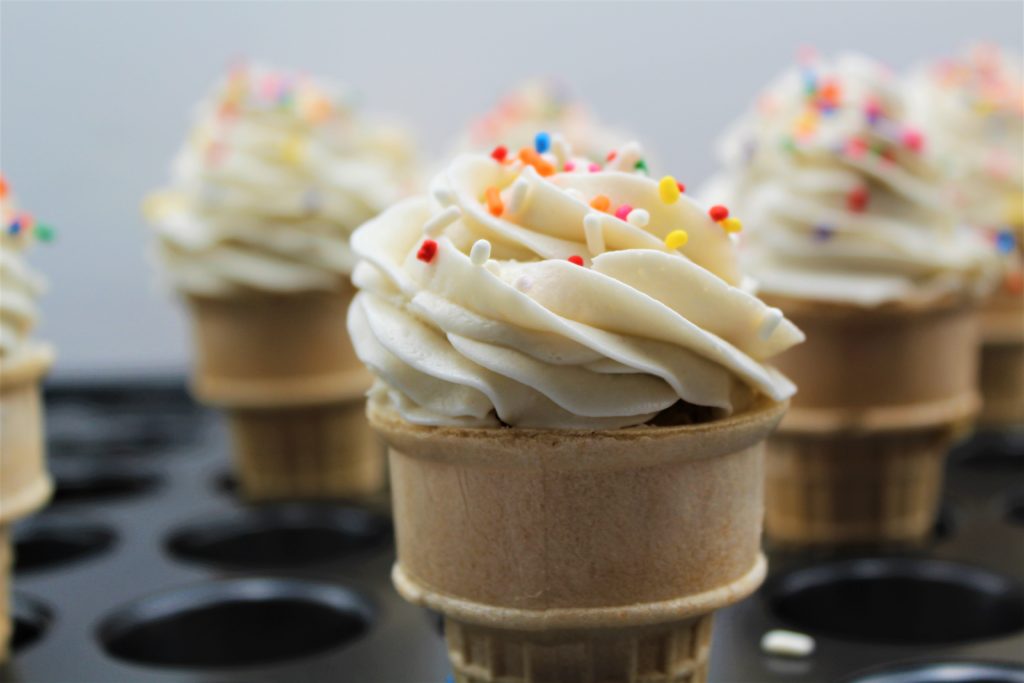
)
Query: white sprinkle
[
  {"x": 639, "y": 217},
  {"x": 443, "y": 195},
  {"x": 559, "y": 149},
  {"x": 593, "y": 228},
  {"x": 480, "y": 252},
  {"x": 523, "y": 283},
  {"x": 787, "y": 643},
  {"x": 769, "y": 322},
  {"x": 576, "y": 194},
  {"x": 517, "y": 199},
  {"x": 442, "y": 220}
]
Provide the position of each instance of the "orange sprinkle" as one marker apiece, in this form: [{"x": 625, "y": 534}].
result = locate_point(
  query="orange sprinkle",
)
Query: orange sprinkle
[
  {"x": 494, "y": 203},
  {"x": 530, "y": 157},
  {"x": 3, "y": 186},
  {"x": 600, "y": 202}
]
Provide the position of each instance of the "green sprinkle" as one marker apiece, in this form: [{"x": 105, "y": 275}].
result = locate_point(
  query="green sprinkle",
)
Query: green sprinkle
[
  {"x": 45, "y": 233},
  {"x": 641, "y": 166},
  {"x": 788, "y": 144}
]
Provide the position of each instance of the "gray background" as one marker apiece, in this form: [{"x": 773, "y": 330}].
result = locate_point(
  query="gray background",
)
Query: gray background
[{"x": 95, "y": 100}]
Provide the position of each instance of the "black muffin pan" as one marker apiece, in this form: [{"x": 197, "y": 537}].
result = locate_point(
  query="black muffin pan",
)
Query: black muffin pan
[{"x": 147, "y": 568}]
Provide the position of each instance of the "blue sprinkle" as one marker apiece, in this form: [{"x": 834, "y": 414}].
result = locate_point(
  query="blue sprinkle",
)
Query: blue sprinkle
[
  {"x": 822, "y": 233},
  {"x": 542, "y": 142},
  {"x": 14, "y": 228},
  {"x": 1005, "y": 242}
]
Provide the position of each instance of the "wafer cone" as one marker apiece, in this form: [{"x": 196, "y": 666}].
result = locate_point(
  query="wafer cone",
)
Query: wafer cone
[
  {"x": 1002, "y": 361},
  {"x": 284, "y": 370},
  {"x": 883, "y": 395},
  {"x": 578, "y": 557},
  {"x": 6, "y": 567},
  {"x": 25, "y": 484}
]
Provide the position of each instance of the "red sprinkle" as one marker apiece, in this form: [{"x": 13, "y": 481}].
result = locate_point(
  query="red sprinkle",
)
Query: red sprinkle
[
  {"x": 913, "y": 139},
  {"x": 578, "y": 260},
  {"x": 857, "y": 199},
  {"x": 718, "y": 213},
  {"x": 856, "y": 147},
  {"x": 682, "y": 188},
  {"x": 500, "y": 153},
  {"x": 427, "y": 252},
  {"x": 623, "y": 211},
  {"x": 611, "y": 155},
  {"x": 569, "y": 166}
]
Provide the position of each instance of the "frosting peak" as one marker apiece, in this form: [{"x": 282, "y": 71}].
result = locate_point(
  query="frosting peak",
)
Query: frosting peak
[
  {"x": 845, "y": 191},
  {"x": 277, "y": 172},
  {"x": 544, "y": 290},
  {"x": 20, "y": 284}
]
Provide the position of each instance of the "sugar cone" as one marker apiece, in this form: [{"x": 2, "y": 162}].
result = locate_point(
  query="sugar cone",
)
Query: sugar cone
[
  {"x": 283, "y": 368},
  {"x": 1002, "y": 361},
  {"x": 578, "y": 557},
  {"x": 25, "y": 484},
  {"x": 883, "y": 394}
]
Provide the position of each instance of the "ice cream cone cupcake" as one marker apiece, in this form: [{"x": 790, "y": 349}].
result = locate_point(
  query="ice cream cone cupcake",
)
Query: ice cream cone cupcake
[
  {"x": 277, "y": 173},
  {"x": 972, "y": 108},
  {"x": 25, "y": 484},
  {"x": 572, "y": 383},
  {"x": 852, "y": 238}
]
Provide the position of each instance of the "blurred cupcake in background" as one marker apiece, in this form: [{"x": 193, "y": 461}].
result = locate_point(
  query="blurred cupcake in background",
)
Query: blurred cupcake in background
[
  {"x": 277, "y": 172},
  {"x": 851, "y": 236},
  {"x": 541, "y": 105},
  {"x": 25, "y": 484},
  {"x": 972, "y": 109}
]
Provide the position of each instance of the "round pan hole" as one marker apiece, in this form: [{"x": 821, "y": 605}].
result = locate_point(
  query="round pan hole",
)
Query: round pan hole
[
  {"x": 80, "y": 482},
  {"x": 898, "y": 601},
  {"x": 236, "y": 623},
  {"x": 56, "y": 542},
  {"x": 944, "y": 672},
  {"x": 31, "y": 620},
  {"x": 1015, "y": 509},
  {"x": 280, "y": 535}
]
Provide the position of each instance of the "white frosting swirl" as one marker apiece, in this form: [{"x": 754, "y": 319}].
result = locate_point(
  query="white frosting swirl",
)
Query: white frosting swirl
[
  {"x": 844, "y": 195},
  {"x": 541, "y": 105},
  {"x": 471, "y": 313},
  {"x": 277, "y": 173},
  {"x": 21, "y": 285},
  {"x": 972, "y": 108}
]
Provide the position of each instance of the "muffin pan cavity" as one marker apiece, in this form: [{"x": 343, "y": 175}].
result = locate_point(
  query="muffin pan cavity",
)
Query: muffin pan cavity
[
  {"x": 31, "y": 619},
  {"x": 279, "y": 535},
  {"x": 899, "y": 601},
  {"x": 236, "y": 623},
  {"x": 945, "y": 672},
  {"x": 51, "y": 542}
]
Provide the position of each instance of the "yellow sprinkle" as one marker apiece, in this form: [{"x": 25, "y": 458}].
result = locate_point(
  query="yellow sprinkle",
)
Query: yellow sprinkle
[
  {"x": 668, "y": 188},
  {"x": 292, "y": 150},
  {"x": 676, "y": 239},
  {"x": 731, "y": 224}
]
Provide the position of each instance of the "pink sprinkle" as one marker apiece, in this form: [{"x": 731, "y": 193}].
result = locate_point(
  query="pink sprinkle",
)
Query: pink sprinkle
[
  {"x": 623, "y": 211},
  {"x": 570, "y": 166},
  {"x": 913, "y": 139},
  {"x": 856, "y": 147},
  {"x": 593, "y": 168}
]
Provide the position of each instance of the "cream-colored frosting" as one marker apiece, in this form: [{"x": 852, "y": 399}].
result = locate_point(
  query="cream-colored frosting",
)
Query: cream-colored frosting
[
  {"x": 541, "y": 105},
  {"x": 276, "y": 174},
  {"x": 470, "y": 311},
  {"x": 20, "y": 285},
  {"x": 844, "y": 194},
  {"x": 972, "y": 109}
]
